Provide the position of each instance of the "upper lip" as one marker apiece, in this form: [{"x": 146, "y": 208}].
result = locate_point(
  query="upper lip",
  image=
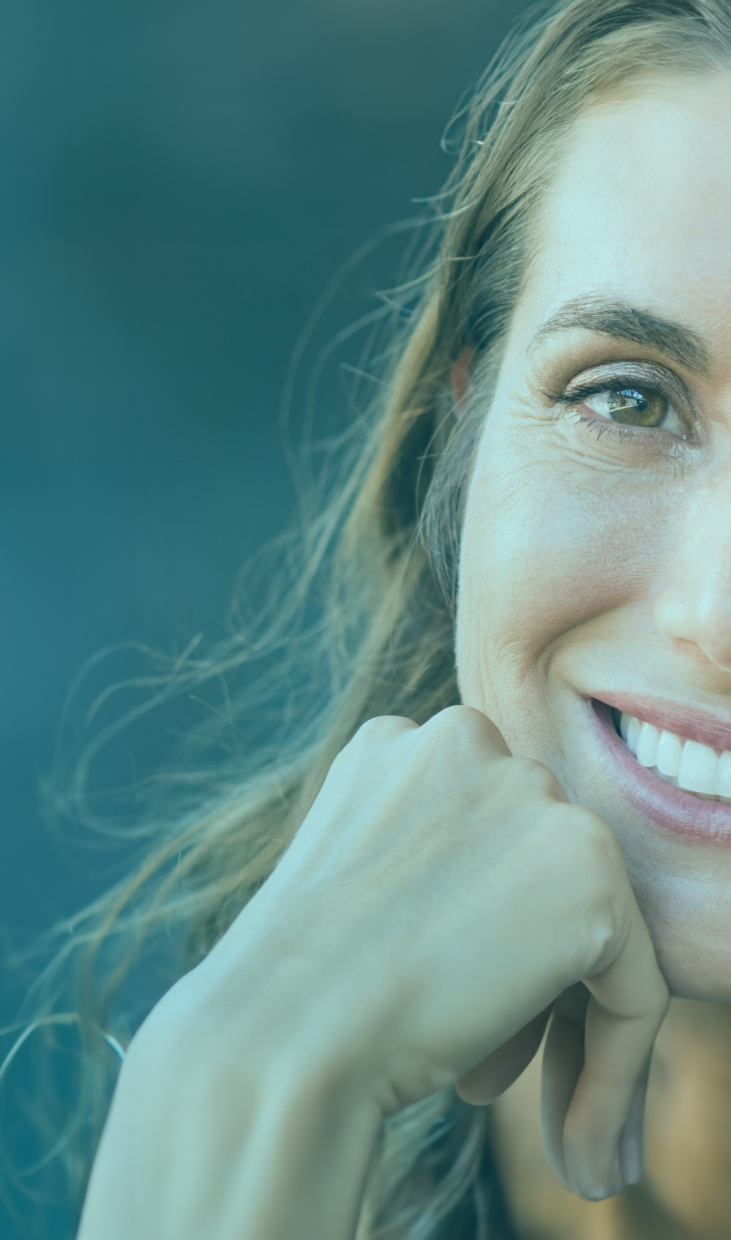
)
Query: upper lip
[{"x": 678, "y": 717}]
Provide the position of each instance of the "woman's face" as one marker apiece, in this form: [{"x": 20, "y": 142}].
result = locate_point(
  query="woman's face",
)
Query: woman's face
[{"x": 596, "y": 553}]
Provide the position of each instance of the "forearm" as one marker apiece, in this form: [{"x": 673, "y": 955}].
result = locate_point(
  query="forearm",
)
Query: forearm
[
  {"x": 304, "y": 1167},
  {"x": 285, "y": 1158}
]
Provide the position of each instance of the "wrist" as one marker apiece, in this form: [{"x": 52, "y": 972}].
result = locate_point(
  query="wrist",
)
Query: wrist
[{"x": 231, "y": 1134}]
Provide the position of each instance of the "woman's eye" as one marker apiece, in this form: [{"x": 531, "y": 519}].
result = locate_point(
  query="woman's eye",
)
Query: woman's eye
[{"x": 636, "y": 407}]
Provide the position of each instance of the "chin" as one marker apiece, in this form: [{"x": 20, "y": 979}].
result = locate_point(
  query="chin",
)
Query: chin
[{"x": 690, "y": 926}]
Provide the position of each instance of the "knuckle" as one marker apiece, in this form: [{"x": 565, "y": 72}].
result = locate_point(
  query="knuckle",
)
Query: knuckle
[
  {"x": 381, "y": 728},
  {"x": 606, "y": 875},
  {"x": 603, "y": 848},
  {"x": 536, "y": 779},
  {"x": 604, "y": 886},
  {"x": 456, "y": 719},
  {"x": 456, "y": 742},
  {"x": 592, "y": 837},
  {"x": 466, "y": 726},
  {"x": 587, "y": 846}
]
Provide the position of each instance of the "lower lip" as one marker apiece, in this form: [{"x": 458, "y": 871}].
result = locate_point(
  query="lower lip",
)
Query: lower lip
[{"x": 670, "y": 807}]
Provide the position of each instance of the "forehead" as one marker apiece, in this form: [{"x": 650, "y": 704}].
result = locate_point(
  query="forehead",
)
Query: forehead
[{"x": 641, "y": 207}]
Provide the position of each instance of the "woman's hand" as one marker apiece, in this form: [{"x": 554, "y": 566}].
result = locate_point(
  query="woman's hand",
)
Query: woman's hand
[{"x": 440, "y": 899}]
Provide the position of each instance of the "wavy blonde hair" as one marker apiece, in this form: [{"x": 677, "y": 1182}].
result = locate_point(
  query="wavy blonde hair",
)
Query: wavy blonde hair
[{"x": 381, "y": 559}]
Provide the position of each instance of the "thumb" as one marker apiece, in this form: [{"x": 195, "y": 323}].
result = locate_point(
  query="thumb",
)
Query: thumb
[{"x": 494, "y": 1074}]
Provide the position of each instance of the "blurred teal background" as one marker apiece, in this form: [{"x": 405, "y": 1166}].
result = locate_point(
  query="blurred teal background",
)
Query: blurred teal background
[{"x": 178, "y": 181}]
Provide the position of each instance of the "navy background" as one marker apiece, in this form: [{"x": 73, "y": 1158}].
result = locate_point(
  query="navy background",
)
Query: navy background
[{"x": 178, "y": 181}]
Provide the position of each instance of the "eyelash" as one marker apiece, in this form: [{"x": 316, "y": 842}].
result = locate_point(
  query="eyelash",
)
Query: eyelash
[{"x": 599, "y": 426}]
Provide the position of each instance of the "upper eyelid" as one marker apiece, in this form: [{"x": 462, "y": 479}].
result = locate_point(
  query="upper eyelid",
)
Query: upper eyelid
[
  {"x": 593, "y": 389},
  {"x": 612, "y": 373}
]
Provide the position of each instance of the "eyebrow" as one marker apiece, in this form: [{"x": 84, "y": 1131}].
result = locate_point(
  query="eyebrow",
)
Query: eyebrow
[{"x": 625, "y": 322}]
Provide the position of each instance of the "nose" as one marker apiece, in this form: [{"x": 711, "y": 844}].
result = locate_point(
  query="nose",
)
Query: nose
[{"x": 693, "y": 603}]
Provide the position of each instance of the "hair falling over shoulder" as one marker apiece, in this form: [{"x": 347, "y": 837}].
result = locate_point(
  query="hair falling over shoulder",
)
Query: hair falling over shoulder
[{"x": 376, "y": 564}]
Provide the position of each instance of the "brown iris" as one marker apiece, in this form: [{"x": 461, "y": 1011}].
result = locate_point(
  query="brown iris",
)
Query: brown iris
[{"x": 636, "y": 408}]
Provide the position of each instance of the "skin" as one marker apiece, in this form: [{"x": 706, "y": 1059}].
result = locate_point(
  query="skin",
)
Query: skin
[
  {"x": 614, "y": 572},
  {"x": 589, "y": 564},
  {"x": 456, "y": 882}
]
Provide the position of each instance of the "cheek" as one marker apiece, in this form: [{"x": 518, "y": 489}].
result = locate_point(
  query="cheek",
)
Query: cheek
[{"x": 547, "y": 547}]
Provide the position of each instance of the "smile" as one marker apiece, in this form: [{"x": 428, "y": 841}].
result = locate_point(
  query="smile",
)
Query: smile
[
  {"x": 688, "y": 799},
  {"x": 676, "y": 760}
]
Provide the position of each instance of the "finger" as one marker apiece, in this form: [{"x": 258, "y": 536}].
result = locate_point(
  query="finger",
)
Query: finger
[
  {"x": 488, "y": 736},
  {"x": 632, "y": 1144},
  {"x": 494, "y": 1074},
  {"x": 563, "y": 1060},
  {"x": 601, "y": 1134},
  {"x": 382, "y": 728}
]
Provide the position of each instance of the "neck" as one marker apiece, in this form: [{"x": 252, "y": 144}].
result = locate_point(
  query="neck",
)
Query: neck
[{"x": 686, "y": 1190}]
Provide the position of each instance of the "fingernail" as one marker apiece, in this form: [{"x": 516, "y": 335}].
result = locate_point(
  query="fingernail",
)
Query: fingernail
[{"x": 597, "y": 1193}]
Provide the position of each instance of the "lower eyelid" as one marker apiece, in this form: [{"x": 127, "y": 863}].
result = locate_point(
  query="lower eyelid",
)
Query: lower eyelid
[{"x": 598, "y": 425}]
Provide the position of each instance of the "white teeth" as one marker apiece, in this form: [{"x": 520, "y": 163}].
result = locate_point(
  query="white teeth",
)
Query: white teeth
[
  {"x": 633, "y": 733},
  {"x": 698, "y": 768},
  {"x": 646, "y": 752},
  {"x": 669, "y": 752},
  {"x": 686, "y": 764},
  {"x": 724, "y": 775}
]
